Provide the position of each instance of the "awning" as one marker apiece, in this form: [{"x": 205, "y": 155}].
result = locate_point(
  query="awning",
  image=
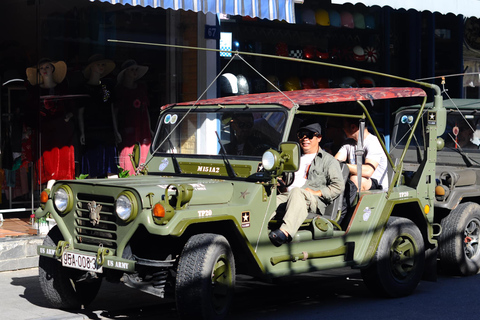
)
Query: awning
[
  {"x": 467, "y": 8},
  {"x": 263, "y": 9}
]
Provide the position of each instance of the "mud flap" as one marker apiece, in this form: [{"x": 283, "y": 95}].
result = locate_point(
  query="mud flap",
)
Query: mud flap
[{"x": 430, "y": 272}]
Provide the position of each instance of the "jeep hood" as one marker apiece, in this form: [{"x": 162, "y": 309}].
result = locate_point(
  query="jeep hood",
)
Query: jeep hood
[{"x": 206, "y": 190}]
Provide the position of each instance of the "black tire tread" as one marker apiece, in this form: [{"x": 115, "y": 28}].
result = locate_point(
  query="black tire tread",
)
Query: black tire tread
[
  {"x": 193, "y": 268},
  {"x": 378, "y": 280},
  {"x": 452, "y": 256},
  {"x": 55, "y": 280}
]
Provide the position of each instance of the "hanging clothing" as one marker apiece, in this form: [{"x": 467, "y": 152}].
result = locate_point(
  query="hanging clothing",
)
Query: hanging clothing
[
  {"x": 99, "y": 158},
  {"x": 50, "y": 117},
  {"x": 134, "y": 123}
]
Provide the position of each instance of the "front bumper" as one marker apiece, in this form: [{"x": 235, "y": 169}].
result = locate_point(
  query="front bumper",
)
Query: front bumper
[{"x": 103, "y": 258}]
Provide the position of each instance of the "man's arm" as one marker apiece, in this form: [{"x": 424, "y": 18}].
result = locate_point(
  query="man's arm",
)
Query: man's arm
[
  {"x": 367, "y": 169},
  {"x": 336, "y": 184}
]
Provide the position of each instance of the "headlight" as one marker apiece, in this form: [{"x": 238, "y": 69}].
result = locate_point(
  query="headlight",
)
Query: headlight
[
  {"x": 126, "y": 206},
  {"x": 63, "y": 199},
  {"x": 269, "y": 159}
]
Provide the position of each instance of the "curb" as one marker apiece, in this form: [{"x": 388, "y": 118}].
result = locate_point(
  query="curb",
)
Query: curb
[
  {"x": 65, "y": 317},
  {"x": 19, "y": 252}
]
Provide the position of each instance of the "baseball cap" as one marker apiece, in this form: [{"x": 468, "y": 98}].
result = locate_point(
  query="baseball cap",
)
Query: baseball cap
[{"x": 313, "y": 127}]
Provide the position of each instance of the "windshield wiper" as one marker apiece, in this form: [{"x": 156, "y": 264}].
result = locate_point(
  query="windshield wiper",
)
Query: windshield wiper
[
  {"x": 176, "y": 166},
  {"x": 230, "y": 171}
]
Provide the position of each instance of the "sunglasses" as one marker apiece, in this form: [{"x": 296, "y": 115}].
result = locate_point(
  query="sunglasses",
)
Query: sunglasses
[{"x": 308, "y": 134}]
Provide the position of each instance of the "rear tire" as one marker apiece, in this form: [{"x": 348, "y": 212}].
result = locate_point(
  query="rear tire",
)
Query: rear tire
[
  {"x": 459, "y": 241},
  {"x": 59, "y": 284},
  {"x": 398, "y": 264},
  {"x": 205, "y": 278}
]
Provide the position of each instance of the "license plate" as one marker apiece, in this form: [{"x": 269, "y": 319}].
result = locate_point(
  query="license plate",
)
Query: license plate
[{"x": 81, "y": 261}]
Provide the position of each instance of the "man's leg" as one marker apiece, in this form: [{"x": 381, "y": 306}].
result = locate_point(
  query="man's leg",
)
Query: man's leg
[{"x": 299, "y": 203}]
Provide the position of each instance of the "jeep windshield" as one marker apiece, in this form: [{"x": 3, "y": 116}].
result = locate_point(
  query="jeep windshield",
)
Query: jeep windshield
[
  {"x": 238, "y": 131},
  {"x": 461, "y": 136}
]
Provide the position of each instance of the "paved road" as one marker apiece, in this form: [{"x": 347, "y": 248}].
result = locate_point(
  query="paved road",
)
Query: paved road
[{"x": 338, "y": 295}]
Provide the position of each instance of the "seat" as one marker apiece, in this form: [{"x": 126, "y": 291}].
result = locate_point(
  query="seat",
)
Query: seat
[{"x": 334, "y": 209}]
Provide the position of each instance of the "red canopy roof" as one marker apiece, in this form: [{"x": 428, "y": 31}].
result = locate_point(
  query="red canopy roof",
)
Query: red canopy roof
[{"x": 311, "y": 96}]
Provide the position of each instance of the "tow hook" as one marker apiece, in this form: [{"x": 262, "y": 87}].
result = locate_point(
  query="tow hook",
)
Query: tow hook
[
  {"x": 101, "y": 253},
  {"x": 61, "y": 246}
]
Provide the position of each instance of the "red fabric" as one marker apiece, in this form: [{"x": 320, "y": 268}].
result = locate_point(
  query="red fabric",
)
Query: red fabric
[
  {"x": 53, "y": 148},
  {"x": 134, "y": 123},
  {"x": 311, "y": 96}
]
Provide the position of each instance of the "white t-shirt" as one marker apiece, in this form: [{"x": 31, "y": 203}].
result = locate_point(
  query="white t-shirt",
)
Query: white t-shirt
[
  {"x": 301, "y": 173},
  {"x": 373, "y": 151}
]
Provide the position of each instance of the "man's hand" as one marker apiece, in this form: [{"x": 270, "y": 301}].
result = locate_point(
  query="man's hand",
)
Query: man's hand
[
  {"x": 317, "y": 193},
  {"x": 282, "y": 187}
]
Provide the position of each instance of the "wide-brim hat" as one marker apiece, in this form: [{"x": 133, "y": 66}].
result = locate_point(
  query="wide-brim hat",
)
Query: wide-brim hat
[
  {"x": 131, "y": 63},
  {"x": 59, "y": 72},
  {"x": 96, "y": 58}
]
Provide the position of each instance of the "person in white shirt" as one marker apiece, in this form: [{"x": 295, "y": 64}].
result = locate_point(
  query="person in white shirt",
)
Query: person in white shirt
[{"x": 374, "y": 162}]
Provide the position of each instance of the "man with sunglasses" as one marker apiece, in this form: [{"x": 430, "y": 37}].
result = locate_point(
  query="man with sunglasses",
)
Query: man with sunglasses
[{"x": 317, "y": 183}]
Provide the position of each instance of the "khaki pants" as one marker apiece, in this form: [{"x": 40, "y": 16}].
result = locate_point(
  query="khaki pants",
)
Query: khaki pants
[{"x": 293, "y": 208}]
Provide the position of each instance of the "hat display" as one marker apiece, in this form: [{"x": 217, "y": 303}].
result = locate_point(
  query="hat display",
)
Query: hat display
[
  {"x": 308, "y": 17},
  {"x": 228, "y": 84},
  {"x": 98, "y": 58},
  {"x": 335, "y": 20},
  {"x": 346, "y": 19},
  {"x": 322, "y": 18},
  {"x": 141, "y": 70},
  {"x": 243, "y": 85},
  {"x": 358, "y": 53},
  {"x": 292, "y": 83},
  {"x": 59, "y": 71},
  {"x": 371, "y": 54},
  {"x": 313, "y": 127},
  {"x": 359, "y": 20}
]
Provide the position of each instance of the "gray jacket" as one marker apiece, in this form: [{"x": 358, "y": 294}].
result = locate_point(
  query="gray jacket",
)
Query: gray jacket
[{"x": 325, "y": 175}]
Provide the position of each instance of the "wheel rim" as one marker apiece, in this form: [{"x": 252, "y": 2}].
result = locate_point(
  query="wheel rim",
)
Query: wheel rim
[
  {"x": 402, "y": 257},
  {"x": 470, "y": 240},
  {"x": 222, "y": 283}
]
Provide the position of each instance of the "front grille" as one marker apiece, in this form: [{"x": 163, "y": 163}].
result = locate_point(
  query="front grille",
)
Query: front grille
[{"x": 102, "y": 234}]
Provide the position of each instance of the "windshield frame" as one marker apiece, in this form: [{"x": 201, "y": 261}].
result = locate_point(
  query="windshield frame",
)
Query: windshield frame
[{"x": 182, "y": 112}]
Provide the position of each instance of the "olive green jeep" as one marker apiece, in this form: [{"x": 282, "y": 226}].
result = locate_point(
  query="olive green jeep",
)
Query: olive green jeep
[
  {"x": 199, "y": 210},
  {"x": 457, "y": 175}
]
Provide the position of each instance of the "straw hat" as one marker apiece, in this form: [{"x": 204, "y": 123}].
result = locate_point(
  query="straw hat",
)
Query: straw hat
[
  {"x": 59, "y": 71},
  {"x": 98, "y": 58},
  {"x": 131, "y": 63}
]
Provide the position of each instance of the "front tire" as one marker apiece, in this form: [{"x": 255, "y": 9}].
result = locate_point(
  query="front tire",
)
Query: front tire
[
  {"x": 398, "y": 264},
  {"x": 459, "y": 241},
  {"x": 59, "y": 284},
  {"x": 205, "y": 278}
]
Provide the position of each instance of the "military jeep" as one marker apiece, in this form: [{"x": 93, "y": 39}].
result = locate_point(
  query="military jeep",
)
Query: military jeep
[
  {"x": 199, "y": 210},
  {"x": 457, "y": 175}
]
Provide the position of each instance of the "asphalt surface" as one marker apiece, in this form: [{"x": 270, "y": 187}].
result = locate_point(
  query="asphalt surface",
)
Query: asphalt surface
[{"x": 339, "y": 294}]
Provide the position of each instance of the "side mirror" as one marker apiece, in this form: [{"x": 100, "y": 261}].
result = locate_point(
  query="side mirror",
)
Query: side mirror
[
  {"x": 135, "y": 156},
  {"x": 291, "y": 152}
]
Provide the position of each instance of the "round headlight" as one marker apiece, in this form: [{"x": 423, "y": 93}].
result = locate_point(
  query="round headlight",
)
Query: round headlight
[
  {"x": 123, "y": 207},
  {"x": 268, "y": 160},
  {"x": 62, "y": 199}
]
